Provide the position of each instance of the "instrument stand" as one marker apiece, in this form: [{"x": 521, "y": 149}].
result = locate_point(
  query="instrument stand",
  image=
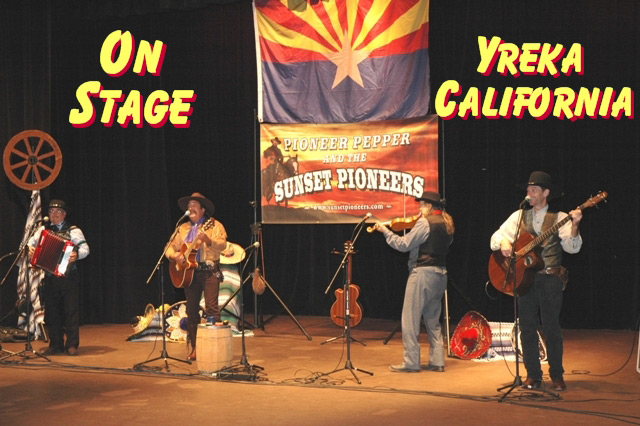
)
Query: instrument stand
[
  {"x": 244, "y": 370},
  {"x": 28, "y": 349},
  {"x": 347, "y": 283},
  {"x": 260, "y": 323},
  {"x": 163, "y": 355},
  {"x": 347, "y": 317},
  {"x": 266, "y": 283}
]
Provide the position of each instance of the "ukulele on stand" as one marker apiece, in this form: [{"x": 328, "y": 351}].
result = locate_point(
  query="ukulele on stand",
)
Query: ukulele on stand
[
  {"x": 340, "y": 310},
  {"x": 355, "y": 309}
]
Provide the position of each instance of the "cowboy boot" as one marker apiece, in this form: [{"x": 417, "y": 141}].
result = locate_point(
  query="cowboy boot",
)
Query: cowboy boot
[{"x": 192, "y": 331}]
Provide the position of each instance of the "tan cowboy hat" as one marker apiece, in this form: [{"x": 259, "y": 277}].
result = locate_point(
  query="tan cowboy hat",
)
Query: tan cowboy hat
[
  {"x": 233, "y": 253},
  {"x": 204, "y": 202}
]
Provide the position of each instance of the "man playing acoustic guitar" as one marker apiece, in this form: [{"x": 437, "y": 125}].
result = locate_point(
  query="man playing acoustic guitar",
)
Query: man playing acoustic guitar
[
  {"x": 205, "y": 238},
  {"x": 545, "y": 293}
]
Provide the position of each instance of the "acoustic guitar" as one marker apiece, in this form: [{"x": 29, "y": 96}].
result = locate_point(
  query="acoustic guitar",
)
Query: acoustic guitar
[
  {"x": 338, "y": 308},
  {"x": 182, "y": 274},
  {"x": 528, "y": 258}
]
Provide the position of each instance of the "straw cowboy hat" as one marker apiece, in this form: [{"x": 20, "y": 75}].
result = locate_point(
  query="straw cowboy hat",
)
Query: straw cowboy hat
[
  {"x": 204, "y": 202},
  {"x": 544, "y": 181},
  {"x": 233, "y": 253}
]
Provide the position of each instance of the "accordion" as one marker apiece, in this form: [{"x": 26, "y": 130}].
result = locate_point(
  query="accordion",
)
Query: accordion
[{"x": 52, "y": 253}]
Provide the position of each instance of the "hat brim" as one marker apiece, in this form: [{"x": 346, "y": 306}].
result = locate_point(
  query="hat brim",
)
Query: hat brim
[
  {"x": 554, "y": 190},
  {"x": 438, "y": 203},
  {"x": 237, "y": 256},
  {"x": 183, "y": 203}
]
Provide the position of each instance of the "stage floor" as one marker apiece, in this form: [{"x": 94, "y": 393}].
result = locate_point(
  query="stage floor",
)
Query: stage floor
[{"x": 102, "y": 387}]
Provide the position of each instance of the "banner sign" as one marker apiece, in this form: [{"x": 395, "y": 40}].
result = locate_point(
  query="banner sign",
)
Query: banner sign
[
  {"x": 337, "y": 173},
  {"x": 342, "y": 61}
]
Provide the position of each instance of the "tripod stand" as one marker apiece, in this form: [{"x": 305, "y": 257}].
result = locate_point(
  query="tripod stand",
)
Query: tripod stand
[
  {"x": 28, "y": 349},
  {"x": 163, "y": 355},
  {"x": 347, "y": 316},
  {"x": 257, "y": 236}
]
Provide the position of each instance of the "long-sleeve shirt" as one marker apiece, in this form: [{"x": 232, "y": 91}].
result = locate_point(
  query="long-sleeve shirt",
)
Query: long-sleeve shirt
[
  {"x": 411, "y": 241},
  {"x": 508, "y": 230},
  {"x": 75, "y": 235}
]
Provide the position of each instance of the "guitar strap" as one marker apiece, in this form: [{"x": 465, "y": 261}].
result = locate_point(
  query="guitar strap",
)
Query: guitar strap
[{"x": 549, "y": 221}]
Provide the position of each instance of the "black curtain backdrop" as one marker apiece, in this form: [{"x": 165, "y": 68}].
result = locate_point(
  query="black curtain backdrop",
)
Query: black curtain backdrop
[{"x": 123, "y": 184}]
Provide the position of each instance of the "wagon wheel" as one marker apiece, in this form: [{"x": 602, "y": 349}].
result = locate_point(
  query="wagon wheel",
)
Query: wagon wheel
[{"x": 32, "y": 159}]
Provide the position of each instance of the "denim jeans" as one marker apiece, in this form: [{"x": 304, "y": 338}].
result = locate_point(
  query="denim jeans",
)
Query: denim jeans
[
  {"x": 423, "y": 299},
  {"x": 542, "y": 302}
]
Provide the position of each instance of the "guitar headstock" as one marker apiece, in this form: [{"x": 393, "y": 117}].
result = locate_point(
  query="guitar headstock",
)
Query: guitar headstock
[
  {"x": 348, "y": 247},
  {"x": 593, "y": 201},
  {"x": 208, "y": 224}
]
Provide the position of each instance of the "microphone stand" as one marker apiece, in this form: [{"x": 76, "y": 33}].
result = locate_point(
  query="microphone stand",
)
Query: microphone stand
[
  {"x": 21, "y": 254},
  {"x": 347, "y": 317},
  {"x": 517, "y": 381},
  {"x": 244, "y": 370},
  {"x": 163, "y": 355}
]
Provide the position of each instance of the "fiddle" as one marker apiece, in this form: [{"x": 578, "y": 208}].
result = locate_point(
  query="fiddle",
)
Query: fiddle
[
  {"x": 338, "y": 308},
  {"x": 397, "y": 224}
]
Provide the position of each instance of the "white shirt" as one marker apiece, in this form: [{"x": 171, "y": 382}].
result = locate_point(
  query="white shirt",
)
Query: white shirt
[{"x": 508, "y": 230}]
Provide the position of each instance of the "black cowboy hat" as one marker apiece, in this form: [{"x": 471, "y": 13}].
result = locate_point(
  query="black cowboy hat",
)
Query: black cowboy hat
[
  {"x": 276, "y": 140},
  {"x": 543, "y": 180},
  {"x": 204, "y": 202},
  {"x": 433, "y": 198}
]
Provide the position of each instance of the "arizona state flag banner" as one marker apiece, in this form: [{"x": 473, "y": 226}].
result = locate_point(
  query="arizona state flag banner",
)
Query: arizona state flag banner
[{"x": 342, "y": 61}]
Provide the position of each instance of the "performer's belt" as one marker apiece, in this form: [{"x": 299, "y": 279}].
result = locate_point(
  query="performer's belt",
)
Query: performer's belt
[
  {"x": 208, "y": 266},
  {"x": 559, "y": 271},
  {"x": 553, "y": 270}
]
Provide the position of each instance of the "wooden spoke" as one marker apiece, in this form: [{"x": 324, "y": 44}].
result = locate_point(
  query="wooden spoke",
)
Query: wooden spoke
[{"x": 32, "y": 160}]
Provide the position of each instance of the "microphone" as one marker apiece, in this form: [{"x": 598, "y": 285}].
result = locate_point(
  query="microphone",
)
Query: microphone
[
  {"x": 187, "y": 213},
  {"x": 43, "y": 220},
  {"x": 525, "y": 201},
  {"x": 366, "y": 216},
  {"x": 254, "y": 245}
]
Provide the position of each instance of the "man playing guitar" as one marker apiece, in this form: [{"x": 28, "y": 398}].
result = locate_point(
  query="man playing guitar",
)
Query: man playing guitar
[{"x": 545, "y": 293}]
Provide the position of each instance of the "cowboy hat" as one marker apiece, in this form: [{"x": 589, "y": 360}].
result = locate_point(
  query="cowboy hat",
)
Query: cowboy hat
[
  {"x": 204, "y": 202},
  {"x": 433, "y": 198},
  {"x": 544, "y": 181},
  {"x": 233, "y": 253}
]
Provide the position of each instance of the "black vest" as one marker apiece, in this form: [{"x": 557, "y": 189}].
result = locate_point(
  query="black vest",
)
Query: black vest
[
  {"x": 551, "y": 248},
  {"x": 433, "y": 252}
]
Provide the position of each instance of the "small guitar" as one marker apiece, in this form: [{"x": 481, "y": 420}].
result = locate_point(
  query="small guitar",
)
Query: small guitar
[
  {"x": 182, "y": 274},
  {"x": 527, "y": 256},
  {"x": 338, "y": 309}
]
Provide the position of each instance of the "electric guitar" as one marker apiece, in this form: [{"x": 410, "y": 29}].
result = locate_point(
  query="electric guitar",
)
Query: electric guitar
[
  {"x": 182, "y": 274},
  {"x": 527, "y": 256}
]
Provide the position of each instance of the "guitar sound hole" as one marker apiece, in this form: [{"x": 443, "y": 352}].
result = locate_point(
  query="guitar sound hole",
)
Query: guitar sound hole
[{"x": 528, "y": 261}]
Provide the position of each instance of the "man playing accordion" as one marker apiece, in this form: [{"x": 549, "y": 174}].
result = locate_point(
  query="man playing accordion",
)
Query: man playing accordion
[{"x": 61, "y": 294}]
